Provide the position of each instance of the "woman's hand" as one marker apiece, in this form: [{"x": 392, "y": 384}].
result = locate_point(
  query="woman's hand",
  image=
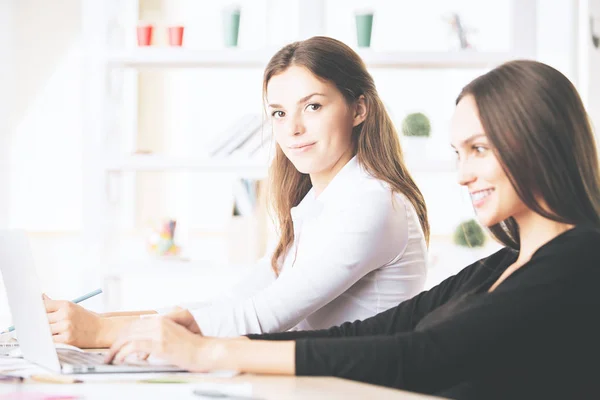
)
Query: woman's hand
[
  {"x": 73, "y": 324},
  {"x": 165, "y": 339},
  {"x": 184, "y": 318}
]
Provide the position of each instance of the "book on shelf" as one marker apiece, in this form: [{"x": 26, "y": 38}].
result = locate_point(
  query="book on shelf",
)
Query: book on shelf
[
  {"x": 244, "y": 194},
  {"x": 260, "y": 140},
  {"x": 237, "y": 135}
]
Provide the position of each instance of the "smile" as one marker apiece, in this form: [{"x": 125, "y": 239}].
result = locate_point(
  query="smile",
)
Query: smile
[
  {"x": 479, "y": 197},
  {"x": 302, "y": 147}
]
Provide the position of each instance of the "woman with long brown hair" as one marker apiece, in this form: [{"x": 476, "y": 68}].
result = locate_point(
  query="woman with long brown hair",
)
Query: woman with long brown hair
[
  {"x": 353, "y": 224},
  {"x": 520, "y": 324}
]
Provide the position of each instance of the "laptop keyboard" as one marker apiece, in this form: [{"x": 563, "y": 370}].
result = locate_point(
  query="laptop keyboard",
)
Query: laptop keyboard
[{"x": 73, "y": 357}]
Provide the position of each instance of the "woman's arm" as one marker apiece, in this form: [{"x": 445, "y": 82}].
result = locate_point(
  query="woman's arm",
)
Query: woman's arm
[
  {"x": 351, "y": 242},
  {"x": 407, "y": 314},
  {"x": 260, "y": 357},
  {"x": 541, "y": 323},
  {"x": 165, "y": 339}
]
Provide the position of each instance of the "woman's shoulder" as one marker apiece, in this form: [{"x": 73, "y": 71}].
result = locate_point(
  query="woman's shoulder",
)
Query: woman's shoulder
[
  {"x": 579, "y": 243},
  {"x": 364, "y": 189},
  {"x": 500, "y": 259}
]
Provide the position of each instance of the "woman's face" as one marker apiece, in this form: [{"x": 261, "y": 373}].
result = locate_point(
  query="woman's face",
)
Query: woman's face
[
  {"x": 492, "y": 194},
  {"x": 312, "y": 122}
]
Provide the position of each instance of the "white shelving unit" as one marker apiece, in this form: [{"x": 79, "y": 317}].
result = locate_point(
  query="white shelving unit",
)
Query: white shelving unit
[
  {"x": 236, "y": 58},
  {"x": 101, "y": 61}
]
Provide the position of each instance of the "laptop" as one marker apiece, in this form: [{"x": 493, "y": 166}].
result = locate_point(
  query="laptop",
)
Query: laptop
[{"x": 31, "y": 322}]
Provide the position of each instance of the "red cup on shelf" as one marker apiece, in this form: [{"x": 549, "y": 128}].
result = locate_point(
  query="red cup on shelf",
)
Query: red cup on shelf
[
  {"x": 144, "y": 35},
  {"x": 175, "y": 35}
]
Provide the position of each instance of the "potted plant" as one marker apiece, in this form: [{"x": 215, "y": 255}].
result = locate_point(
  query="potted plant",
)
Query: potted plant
[
  {"x": 416, "y": 129},
  {"x": 468, "y": 244},
  {"x": 469, "y": 234},
  {"x": 416, "y": 125}
]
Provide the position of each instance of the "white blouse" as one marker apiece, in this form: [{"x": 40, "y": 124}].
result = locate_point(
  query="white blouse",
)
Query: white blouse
[{"x": 358, "y": 250}]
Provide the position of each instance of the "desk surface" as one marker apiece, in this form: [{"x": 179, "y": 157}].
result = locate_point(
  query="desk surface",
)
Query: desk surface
[
  {"x": 279, "y": 387},
  {"x": 258, "y": 387},
  {"x": 109, "y": 386}
]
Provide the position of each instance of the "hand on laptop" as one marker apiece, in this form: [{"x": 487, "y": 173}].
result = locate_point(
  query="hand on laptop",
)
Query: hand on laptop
[
  {"x": 72, "y": 324},
  {"x": 162, "y": 338}
]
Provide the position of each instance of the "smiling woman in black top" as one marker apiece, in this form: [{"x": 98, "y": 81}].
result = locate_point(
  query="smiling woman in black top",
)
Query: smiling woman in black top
[{"x": 522, "y": 323}]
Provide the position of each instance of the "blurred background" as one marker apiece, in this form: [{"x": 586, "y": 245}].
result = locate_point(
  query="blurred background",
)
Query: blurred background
[{"x": 134, "y": 146}]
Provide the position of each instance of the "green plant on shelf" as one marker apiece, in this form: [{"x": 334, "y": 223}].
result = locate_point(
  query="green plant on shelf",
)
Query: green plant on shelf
[
  {"x": 416, "y": 125},
  {"x": 469, "y": 234}
]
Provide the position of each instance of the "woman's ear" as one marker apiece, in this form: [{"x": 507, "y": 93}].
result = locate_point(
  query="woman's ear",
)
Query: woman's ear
[{"x": 360, "y": 110}]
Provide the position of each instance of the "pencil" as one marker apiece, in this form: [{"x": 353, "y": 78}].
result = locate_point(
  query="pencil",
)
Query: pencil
[
  {"x": 77, "y": 300},
  {"x": 54, "y": 379}
]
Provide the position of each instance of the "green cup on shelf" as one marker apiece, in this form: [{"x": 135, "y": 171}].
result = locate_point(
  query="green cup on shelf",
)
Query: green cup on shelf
[
  {"x": 364, "y": 28},
  {"x": 231, "y": 26}
]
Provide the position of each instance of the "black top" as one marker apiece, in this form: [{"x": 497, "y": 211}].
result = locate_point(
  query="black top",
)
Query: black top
[{"x": 535, "y": 336}]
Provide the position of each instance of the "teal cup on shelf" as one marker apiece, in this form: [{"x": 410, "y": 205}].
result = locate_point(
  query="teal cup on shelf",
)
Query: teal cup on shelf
[
  {"x": 364, "y": 28},
  {"x": 231, "y": 26}
]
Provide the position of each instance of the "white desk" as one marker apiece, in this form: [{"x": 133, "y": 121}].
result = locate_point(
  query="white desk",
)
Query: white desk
[{"x": 259, "y": 387}]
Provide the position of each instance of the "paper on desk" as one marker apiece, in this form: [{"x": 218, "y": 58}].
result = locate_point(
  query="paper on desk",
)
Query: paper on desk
[
  {"x": 7, "y": 343},
  {"x": 10, "y": 362},
  {"x": 19, "y": 367}
]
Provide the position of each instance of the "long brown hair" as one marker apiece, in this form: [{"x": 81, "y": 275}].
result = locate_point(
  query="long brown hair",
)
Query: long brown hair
[
  {"x": 542, "y": 137},
  {"x": 376, "y": 140}
]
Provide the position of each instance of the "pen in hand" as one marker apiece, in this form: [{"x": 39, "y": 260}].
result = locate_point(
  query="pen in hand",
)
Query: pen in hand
[{"x": 77, "y": 300}]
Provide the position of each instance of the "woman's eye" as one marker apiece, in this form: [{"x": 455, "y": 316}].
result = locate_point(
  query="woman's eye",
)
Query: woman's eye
[
  {"x": 479, "y": 149},
  {"x": 277, "y": 114},
  {"x": 313, "y": 107}
]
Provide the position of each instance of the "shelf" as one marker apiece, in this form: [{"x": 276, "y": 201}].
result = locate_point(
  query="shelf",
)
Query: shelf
[
  {"x": 248, "y": 168},
  {"x": 433, "y": 60},
  {"x": 167, "y": 57}
]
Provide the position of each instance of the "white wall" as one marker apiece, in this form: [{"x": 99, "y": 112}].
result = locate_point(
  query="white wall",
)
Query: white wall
[
  {"x": 589, "y": 61},
  {"x": 46, "y": 136},
  {"x": 40, "y": 112},
  {"x": 557, "y": 35},
  {"x": 6, "y": 98}
]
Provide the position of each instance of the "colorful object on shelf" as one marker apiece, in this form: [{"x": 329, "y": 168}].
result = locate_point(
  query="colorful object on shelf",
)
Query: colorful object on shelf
[
  {"x": 162, "y": 241},
  {"x": 175, "y": 35},
  {"x": 231, "y": 25},
  {"x": 144, "y": 35},
  {"x": 462, "y": 33},
  {"x": 364, "y": 27}
]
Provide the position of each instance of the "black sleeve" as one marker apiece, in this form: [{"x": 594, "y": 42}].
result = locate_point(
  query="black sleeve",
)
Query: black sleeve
[
  {"x": 545, "y": 323},
  {"x": 401, "y": 318}
]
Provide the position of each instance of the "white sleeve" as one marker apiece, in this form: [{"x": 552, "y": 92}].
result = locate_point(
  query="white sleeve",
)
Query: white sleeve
[{"x": 356, "y": 238}]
